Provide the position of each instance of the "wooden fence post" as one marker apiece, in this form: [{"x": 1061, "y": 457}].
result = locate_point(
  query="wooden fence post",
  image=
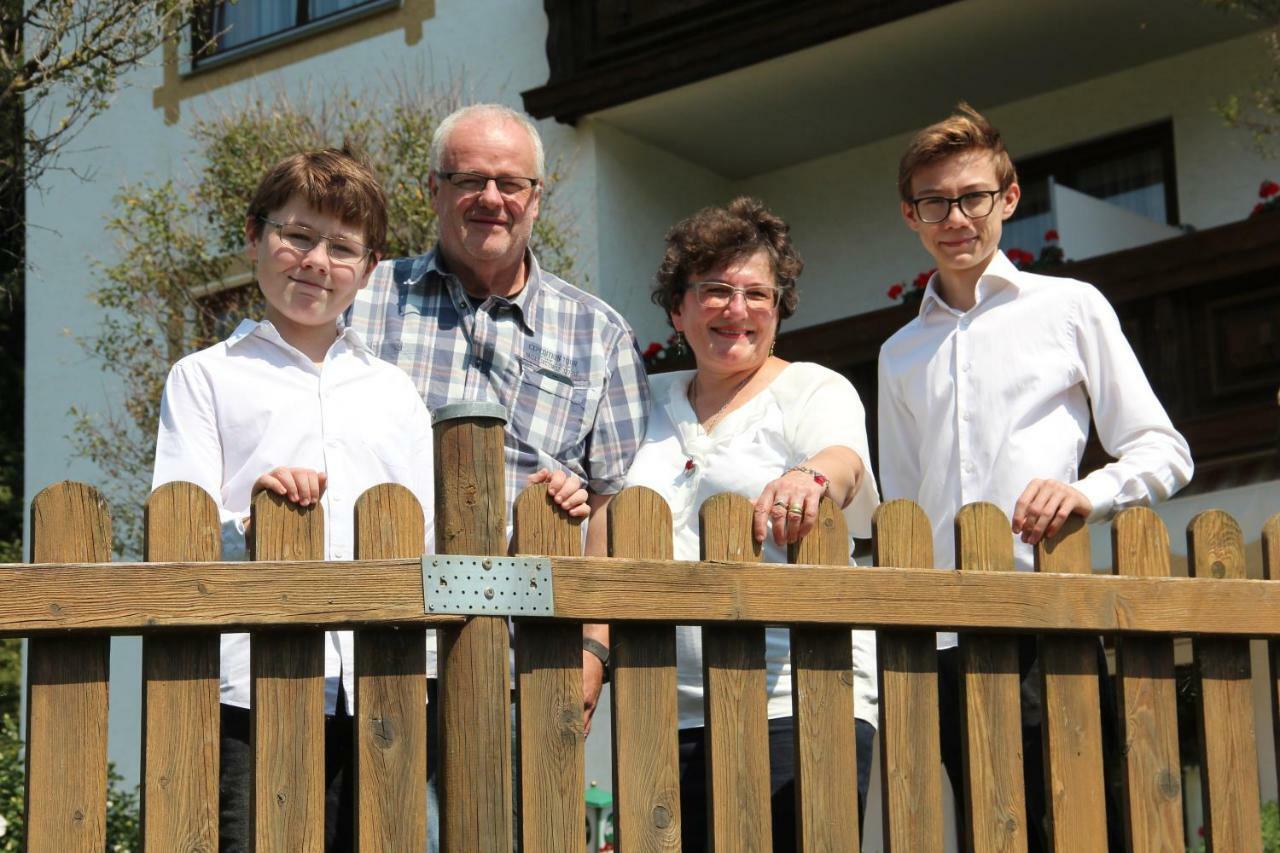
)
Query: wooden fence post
[
  {"x": 475, "y": 714},
  {"x": 733, "y": 676},
  {"x": 1075, "y": 796},
  {"x": 180, "y": 720},
  {"x": 1271, "y": 571},
  {"x": 910, "y": 753},
  {"x": 287, "y": 695},
  {"x": 646, "y": 749},
  {"x": 995, "y": 805},
  {"x": 1148, "y": 698},
  {"x": 1232, "y": 816},
  {"x": 391, "y": 690},
  {"x": 66, "y": 790},
  {"x": 549, "y": 693},
  {"x": 822, "y": 708}
]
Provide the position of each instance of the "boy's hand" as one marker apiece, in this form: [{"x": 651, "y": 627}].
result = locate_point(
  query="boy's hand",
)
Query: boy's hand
[
  {"x": 565, "y": 489},
  {"x": 298, "y": 485},
  {"x": 1044, "y": 506}
]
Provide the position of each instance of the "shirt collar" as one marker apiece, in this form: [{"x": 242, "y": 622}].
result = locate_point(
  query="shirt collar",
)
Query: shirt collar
[
  {"x": 525, "y": 304},
  {"x": 266, "y": 330},
  {"x": 1000, "y": 273}
]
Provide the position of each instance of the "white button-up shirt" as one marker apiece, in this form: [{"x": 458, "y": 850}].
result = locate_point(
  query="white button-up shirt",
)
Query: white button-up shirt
[
  {"x": 974, "y": 405},
  {"x": 253, "y": 402}
]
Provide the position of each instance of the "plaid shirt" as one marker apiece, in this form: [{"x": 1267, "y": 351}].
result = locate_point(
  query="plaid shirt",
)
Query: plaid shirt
[{"x": 562, "y": 362}]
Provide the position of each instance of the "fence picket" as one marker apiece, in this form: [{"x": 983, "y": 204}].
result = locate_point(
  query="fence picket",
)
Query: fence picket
[
  {"x": 1148, "y": 698},
  {"x": 475, "y": 709},
  {"x": 287, "y": 668},
  {"x": 1075, "y": 805},
  {"x": 734, "y": 683},
  {"x": 391, "y": 691},
  {"x": 66, "y": 796},
  {"x": 910, "y": 754},
  {"x": 1271, "y": 571},
  {"x": 1232, "y": 817},
  {"x": 822, "y": 707},
  {"x": 180, "y": 687},
  {"x": 646, "y": 761},
  {"x": 995, "y": 805},
  {"x": 549, "y": 693}
]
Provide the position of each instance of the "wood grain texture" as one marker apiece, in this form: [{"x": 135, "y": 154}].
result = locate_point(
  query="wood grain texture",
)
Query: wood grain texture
[
  {"x": 391, "y": 691},
  {"x": 475, "y": 709},
  {"x": 822, "y": 706},
  {"x": 287, "y": 694},
  {"x": 1215, "y": 548},
  {"x": 180, "y": 687},
  {"x": 66, "y": 793},
  {"x": 646, "y": 760},
  {"x": 910, "y": 755},
  {"x": 990, "y": 688},
  {"x": 1075, "y": 801},
  {"x": 549, "y": 735},
  {"x": 1148, "y": 698},
  {"x": 1271, "y": 572},
  {"x": 733, "y": 677}
]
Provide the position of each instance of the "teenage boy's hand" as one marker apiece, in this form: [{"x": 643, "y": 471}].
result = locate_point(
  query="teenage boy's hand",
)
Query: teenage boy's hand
[
  {"x": 565, "y": 489},
  {"x": 1043, "y": 508},
  {"x": 299, "y": 485}
]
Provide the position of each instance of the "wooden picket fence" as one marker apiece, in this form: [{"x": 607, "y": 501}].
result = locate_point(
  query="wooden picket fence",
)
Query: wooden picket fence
[{"x": 182, "y": 596}]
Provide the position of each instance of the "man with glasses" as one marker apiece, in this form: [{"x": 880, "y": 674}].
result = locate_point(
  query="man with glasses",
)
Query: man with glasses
[
  {"x": 476, "y": 318},
  {"x": 986, "y": 396}
]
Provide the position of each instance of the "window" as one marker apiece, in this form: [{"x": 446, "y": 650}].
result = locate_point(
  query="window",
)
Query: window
[
  {"x": 1133, "y": 170},
  {"x": 231, "y": 27}
]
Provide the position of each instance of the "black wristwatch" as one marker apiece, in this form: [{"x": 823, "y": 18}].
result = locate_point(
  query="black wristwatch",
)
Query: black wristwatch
[{"x": 600, "y": 650}]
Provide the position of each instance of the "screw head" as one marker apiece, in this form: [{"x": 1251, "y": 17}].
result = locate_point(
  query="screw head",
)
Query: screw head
[{"x": 488, "y": 592}]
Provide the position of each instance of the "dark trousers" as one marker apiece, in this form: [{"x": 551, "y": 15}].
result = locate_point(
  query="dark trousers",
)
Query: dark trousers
[
  {"x": 782, "y": 783},
  {"x": 235, "y": 782},
  {"x": 951, "y": 715}
]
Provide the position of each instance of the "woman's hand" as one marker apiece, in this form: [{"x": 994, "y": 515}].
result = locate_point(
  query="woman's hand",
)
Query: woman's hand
[
  {"x": 302, "y": 486},
  {"x": 788, "y": 505},
  {"x": 565, "y": 489}
]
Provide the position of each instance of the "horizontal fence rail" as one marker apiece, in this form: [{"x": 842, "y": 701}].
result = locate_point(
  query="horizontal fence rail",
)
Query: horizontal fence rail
[{"x": 185, "y": 596}]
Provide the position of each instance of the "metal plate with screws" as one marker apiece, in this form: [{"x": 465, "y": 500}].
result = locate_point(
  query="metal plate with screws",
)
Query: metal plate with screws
[{"x": 487, "y": 586}]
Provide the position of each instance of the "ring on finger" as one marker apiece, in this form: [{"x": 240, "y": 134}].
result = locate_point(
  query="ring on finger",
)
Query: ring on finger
[
  {"x": 780, "y": 503},
  {"x": 795, "y": 509}
]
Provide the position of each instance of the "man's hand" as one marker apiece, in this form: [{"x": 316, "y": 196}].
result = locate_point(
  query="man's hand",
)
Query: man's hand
[
  {"x": 565, "y": 489},
  {"x": 592, "y": 683},
  {"x": 298, "y": 485},
  {"x": 1043, "y": 508}
]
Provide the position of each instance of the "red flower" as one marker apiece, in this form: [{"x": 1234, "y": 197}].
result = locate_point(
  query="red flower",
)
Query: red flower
[
  {"x": 652, "y": 350},
  {"x": 1051, "y": 234},
  {"x": 922, "y": 280},
  {"x": 1268, "y": 189},
  {"x": 896, "y": 290},
  {"x": 1258, "y": 208}
]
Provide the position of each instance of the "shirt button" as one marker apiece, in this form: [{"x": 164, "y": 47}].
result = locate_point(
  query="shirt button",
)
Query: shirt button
[
  {"x": 968, "y": 467},
  {"x": 966, "y": 367},
  {"x": 966, "y": 416},
  {"x": 964, "y": 324}
]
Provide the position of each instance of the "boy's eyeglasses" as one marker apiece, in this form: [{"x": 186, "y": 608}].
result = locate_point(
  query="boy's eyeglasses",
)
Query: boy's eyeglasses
[
  {"x": 717, "y": 295},
  {"x": 473, "y": 182},
  {"x": 935, "y": 208},
  {"x": 300, "y": 238}
]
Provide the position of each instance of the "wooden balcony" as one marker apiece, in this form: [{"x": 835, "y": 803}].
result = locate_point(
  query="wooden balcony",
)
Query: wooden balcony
[{"x": 1202, "y": 312}]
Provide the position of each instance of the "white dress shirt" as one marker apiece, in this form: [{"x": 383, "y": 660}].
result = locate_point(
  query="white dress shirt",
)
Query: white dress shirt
[
  {"x": 975, "y": 404},
  {"x": 804, "y": 410},
  {"x": 253, "y": 402}
]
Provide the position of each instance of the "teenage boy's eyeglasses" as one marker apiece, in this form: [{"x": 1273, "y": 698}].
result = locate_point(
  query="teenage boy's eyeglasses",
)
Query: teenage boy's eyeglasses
[
  {"x": 935, "y": 208},
  {"x": 473, "y": 182},
  {"x": 300, "y": 238},
  {"x": 717, "y": 295}
]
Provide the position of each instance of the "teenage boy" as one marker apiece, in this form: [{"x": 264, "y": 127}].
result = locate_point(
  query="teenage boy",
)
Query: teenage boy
[
  {"x": 986, "y": 394},
  {"x": 300, "y": 406}
]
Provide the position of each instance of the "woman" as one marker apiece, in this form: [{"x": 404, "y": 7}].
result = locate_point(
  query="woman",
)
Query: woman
[{"x": 747, "y": 422}]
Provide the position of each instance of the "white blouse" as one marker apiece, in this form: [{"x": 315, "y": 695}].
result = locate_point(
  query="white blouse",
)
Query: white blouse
[{"x": 805, "y": 409}]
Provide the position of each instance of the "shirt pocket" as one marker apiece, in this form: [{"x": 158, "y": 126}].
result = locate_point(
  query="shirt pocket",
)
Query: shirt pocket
[{"x": 549, "y": 411}]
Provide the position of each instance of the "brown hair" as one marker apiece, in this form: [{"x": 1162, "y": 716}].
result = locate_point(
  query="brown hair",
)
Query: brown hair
[
  {"x": 715, "y": 236},
  {"x": 964, "y": 130},
  {"x": 333, "y": 181}
]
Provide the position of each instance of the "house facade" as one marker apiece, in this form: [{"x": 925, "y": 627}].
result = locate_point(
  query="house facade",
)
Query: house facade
[{"x": 659, "y": 107}]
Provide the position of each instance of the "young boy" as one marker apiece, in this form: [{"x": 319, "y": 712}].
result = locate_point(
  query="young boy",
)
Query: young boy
[
  {"x": 986, "y": 394},
  {"x": 298, "y": 405}
]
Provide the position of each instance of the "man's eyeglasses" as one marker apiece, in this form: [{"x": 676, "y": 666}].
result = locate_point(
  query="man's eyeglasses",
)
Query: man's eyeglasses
[
  {"x": 717, "y": 295},
  {"x": 935, "y": 208},
  {"x": 300, "y": 238},
  {"x": 473, "y": 182}
]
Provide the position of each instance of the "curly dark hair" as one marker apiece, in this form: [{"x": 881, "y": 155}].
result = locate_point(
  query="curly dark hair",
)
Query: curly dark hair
[{"x": 715, "y": 236}]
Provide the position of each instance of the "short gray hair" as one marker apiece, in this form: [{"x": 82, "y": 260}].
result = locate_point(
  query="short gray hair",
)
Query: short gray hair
[{"x": 497, "y": 111}]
